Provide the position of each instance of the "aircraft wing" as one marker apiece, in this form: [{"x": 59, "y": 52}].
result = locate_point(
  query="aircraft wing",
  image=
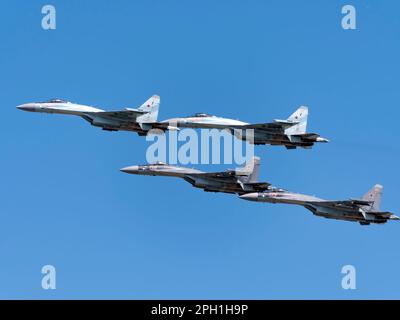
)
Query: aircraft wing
[
  {"x": 352, "y": 203},
  {"x": 222, "y": 174},
  {"x": 259, "y": 186},
  {"x": 277, "y": 125},
  {"x": 123, "y": 115}
]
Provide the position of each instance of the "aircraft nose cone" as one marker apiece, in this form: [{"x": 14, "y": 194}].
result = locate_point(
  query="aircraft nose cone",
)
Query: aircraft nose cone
[
  {"x": 27, "y": 107},
  {"x": 250, "y": 196},
  {"x": 131, "y": 169}
]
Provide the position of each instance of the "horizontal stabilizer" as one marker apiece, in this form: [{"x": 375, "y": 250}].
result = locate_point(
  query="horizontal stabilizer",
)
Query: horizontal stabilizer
[
  {"x": 361, "y": 202},
  {"x": 136, "y": 110},
  {"x": 385, "y": 215},
  {"x": 307, "y": 137},
  {"x": 286, "y": 122},
  {"x": 311, "y": 136}
]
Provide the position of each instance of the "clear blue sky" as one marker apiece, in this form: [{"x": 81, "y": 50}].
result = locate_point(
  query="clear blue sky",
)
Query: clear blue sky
[{"x": 112, "y": 235}]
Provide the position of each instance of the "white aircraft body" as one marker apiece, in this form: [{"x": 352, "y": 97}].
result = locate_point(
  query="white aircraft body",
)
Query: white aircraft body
[
  {"x": 139, "y": 120},
  {"x": 290, "y": 133}
]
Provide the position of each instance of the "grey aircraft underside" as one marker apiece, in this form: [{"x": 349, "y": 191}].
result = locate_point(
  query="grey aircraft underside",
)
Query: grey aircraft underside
[
  {"x": 365, "y": 210},
  {"x": 238, "y": 181},
  {"x": 139, "y": 120},
  {"x": 290, "y": 133}
]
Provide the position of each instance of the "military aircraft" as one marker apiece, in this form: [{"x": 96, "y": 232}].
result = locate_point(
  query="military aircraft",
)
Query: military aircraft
[
  {"x": 239, "y": 181},
  {"x": 290, "y": 133},
  {"x": 365, "y": 211},
  {"x": 139, "y": 120}
]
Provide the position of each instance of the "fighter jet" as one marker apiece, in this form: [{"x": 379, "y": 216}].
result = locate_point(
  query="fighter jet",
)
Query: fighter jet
[
  {"x": 365, "y": 211},
  {"x": 238, "y": 181},
  {"x": 139, "y": 120},
  {"x": 290, "y": 133}
]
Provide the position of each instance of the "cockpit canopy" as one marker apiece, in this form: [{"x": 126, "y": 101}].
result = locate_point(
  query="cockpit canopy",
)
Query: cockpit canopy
[
  {"x": 157, "y": 163},
  {"x": 202, "y": 115},
  {"x": 54, "y": 101}
]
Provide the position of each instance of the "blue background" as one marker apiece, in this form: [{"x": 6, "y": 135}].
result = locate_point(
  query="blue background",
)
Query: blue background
[{"x": 112, "y": 235}]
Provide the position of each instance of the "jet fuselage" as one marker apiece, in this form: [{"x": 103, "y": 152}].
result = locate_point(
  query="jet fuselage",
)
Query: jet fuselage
[
  {"x": 339, "y": 210},
  {"x": 136, "y": 120},
  {"x": 230, "y": 181},
  {"x": 272, "y": 133}
]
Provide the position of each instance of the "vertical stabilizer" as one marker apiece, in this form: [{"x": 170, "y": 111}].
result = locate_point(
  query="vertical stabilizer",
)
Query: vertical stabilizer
[
  {"x": 252, "y": 168},
  {"x": 375, "y": 195},
  {"x": 299, "y": 116},
  {"x": 151, "y": 106}
]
